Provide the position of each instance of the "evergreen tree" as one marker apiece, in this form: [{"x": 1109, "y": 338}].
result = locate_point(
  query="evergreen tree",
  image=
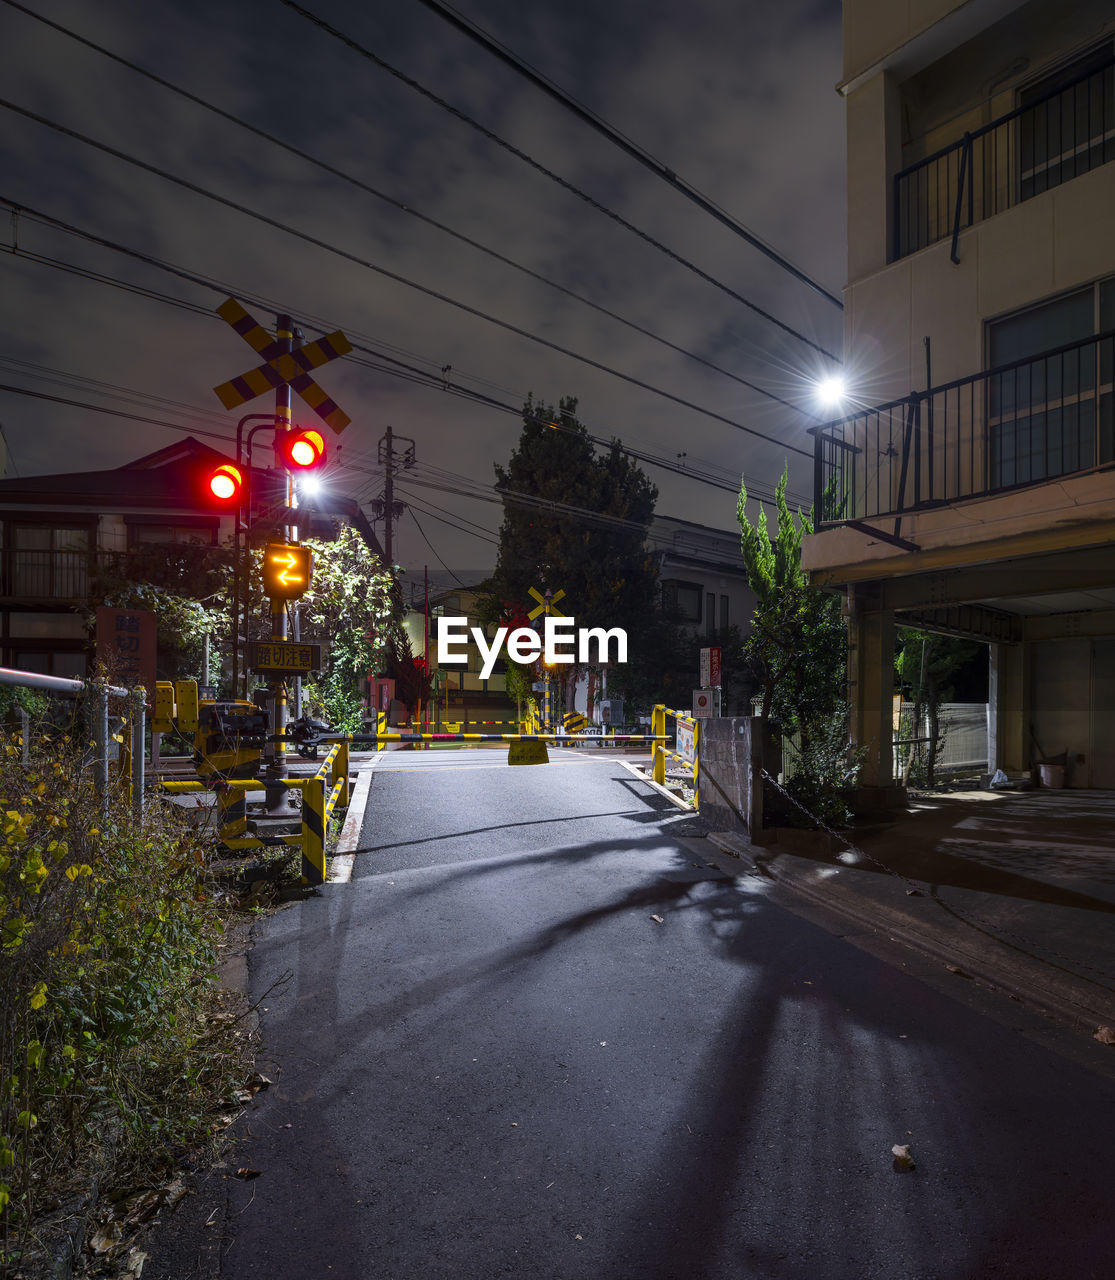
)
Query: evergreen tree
[
  {"x": 605, "y": 569},
  {"x": 798, "y": 644}
]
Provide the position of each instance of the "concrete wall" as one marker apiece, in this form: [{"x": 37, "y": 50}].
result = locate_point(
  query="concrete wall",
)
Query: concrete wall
[{"x": 731, "y": 789}]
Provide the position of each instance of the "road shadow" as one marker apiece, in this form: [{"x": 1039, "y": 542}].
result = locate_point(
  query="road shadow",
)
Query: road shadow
[{"x": 1026, "y": 847}]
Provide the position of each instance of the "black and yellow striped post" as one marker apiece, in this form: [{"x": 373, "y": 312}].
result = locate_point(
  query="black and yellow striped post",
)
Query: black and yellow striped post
[
  {"x": 232, "y": 806},
  {"x": 575, "y": 723},
  {"x": 313, "y": 830}
]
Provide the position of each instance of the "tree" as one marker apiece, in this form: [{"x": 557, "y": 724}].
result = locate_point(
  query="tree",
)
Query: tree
[
  {"x": 602, "y": 564},
  {"x": 798, "y": 645},
  {"x": 186, "y": 586},
  {"x": 350, "y": 610}
]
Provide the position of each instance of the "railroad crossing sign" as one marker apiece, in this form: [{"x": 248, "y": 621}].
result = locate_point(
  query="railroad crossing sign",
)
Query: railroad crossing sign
[
  {"x": 282, "y": 367},
  {"x": 546, "y": 604}
]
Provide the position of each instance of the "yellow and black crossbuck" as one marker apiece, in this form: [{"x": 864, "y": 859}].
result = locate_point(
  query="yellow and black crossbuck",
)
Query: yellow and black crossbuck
[{"x": 282, "y": 367}]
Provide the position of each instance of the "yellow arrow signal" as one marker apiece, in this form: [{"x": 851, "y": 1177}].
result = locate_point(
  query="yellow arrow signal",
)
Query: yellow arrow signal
[{"x": 286, "y": 571}]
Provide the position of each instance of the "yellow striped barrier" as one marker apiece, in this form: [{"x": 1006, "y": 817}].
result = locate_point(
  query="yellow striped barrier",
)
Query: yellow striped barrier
[
  {"x": 321, "y": 794},
  {"x": 687, "y": 738}
]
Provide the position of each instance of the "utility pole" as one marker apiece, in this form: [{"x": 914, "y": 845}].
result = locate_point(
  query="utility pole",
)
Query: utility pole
[{"x": 392, "y": 462}]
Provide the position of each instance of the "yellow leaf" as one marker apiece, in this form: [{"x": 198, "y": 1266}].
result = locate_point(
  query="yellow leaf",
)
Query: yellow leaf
[{"x": 38, "y": 995}]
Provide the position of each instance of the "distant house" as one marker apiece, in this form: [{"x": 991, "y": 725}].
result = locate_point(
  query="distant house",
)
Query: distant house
[
  {"x": 701, "y": 575},
  {"x": 54, "y": 529},
  {"x": 971, "y": 491}
]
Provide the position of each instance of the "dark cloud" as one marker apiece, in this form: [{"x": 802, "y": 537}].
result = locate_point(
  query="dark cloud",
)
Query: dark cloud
[{"x": 738, "y": 99}]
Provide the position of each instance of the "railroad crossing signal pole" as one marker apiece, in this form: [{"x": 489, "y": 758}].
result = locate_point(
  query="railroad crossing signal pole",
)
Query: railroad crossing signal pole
[{"x": 276, "y": 761}]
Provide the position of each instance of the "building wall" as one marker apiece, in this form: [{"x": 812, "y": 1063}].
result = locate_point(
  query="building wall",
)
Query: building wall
[{"x": 1030, "y": 252}]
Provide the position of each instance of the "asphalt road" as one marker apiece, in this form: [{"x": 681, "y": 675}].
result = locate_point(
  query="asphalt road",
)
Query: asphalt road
[{"x": 491, "y": 1059}]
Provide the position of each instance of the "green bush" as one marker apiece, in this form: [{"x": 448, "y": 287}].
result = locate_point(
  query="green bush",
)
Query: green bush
[{"x": 107, "y": 944}]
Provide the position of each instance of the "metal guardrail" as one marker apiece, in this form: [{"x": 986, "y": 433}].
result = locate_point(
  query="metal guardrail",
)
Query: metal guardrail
[
  {"x": 99, "y": 693},
  {"x": 1017, "y": 425},
  {"x": 1037, "y": 146}
]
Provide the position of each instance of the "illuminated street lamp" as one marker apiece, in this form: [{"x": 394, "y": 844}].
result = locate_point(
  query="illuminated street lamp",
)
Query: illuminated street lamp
[{"x": 831, "y": 391}]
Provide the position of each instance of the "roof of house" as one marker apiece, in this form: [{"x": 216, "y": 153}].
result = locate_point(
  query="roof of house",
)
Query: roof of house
[{"x": 172, "y": 479}]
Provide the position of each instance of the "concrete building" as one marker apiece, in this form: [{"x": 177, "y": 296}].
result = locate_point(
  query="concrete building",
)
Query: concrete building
[
  {"x": 701, "y": 575},
  {"x": 970, "y": 487}
]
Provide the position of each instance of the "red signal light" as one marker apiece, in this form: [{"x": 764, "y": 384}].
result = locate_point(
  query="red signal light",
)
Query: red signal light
[
  {"x": 302, "y": 450},
  {"x": 225, "y": 482}
]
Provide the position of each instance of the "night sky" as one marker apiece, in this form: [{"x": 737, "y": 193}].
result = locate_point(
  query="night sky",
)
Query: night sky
[{"x": 737, "y": 99}]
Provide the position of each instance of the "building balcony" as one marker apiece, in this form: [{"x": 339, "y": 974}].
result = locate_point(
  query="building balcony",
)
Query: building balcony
[
  {"x": 1058, "y": 132},
  {"x": 1010, "y": 428}
]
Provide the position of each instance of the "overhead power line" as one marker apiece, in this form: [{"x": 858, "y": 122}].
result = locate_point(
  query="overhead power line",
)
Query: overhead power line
[
  {"x": 364, "y": 262},
  {"x": 392, "y": 364},
  {"x": 325, "y": 167},
  {"x": 644, "y": 157},
  {"x": 564, "y": 183}
]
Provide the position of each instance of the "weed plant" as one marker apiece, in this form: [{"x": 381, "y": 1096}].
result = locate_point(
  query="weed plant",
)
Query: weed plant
[{"x": 109, "y": 1063}]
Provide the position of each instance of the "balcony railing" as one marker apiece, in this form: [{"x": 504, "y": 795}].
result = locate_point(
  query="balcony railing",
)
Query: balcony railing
[
  {"x": 1009, "y": 428},
  {"x": 1039, "y": 145}
]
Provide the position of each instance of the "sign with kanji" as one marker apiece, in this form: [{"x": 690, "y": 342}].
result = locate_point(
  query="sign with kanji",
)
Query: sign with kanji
[
  {"x": 710, "y": 668},
  {"x": 126, "y": 647},
  {"x": 282, "y": 367},
  {"x": 283, "y": 656},
  {"x": 286, "y": 570},
  {"x": 706, "y": 703}
]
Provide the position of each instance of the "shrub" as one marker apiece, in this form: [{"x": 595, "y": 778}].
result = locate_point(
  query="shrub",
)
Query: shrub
[
  {"x": 107, "y": 944},
  {"x": 825, "y": 771}
]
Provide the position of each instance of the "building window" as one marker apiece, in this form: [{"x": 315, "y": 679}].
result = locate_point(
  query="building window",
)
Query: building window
[
  {"x": 49, "y": 563},
  {"x": 1047, "y": 417},
  {"x": 723, "y": 613},
  {"x": 683, "y": 599},
  {"x": 178, "y": 533},
  {"x": 710, "y": 612},
  {"x": 70, "y": 666},
  {"x": 1067, "y": 125}
]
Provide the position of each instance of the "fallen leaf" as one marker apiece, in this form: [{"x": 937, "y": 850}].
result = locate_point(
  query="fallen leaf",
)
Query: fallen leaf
[
  {"x": 136, "y": 1259},
  {"x": 902, "y": 1158},
  {"x": 1105, "y": 1035},
  {"x": 258, "y": 1081},
  {"x": 603, "y": 1043},
  {"x": 578, "y": 1237},
  {"x": 959, "y": 972},
  {"x": 106, "y": 1238},
  {"x": 246, "y": 1173},
  {"x": 658, "y": 920},
  {"x": 174, "y": 1192}
]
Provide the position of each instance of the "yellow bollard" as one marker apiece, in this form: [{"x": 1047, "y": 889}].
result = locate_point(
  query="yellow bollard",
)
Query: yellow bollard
[
  {"x": 340, "y": 772},
  {"x": 658, "y": 731},
  {"x": 696, "y": 764}
]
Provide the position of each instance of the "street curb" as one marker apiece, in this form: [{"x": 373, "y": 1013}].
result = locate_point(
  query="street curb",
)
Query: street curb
[
  {"x": 879, "y": 919},
  {"x": 340, "y": 864}
]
